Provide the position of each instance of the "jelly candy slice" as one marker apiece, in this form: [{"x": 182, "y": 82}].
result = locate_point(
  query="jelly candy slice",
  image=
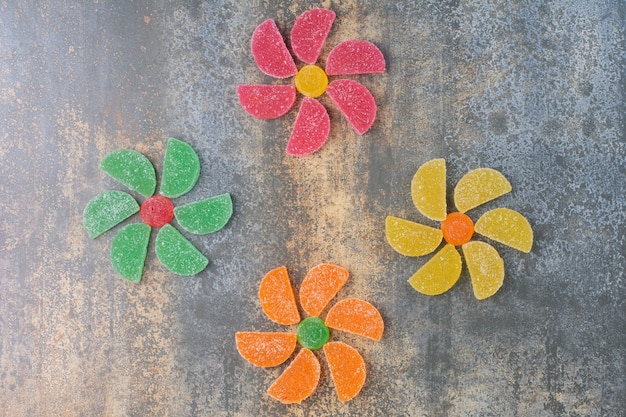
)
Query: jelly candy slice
[
  {"x": 411, "y": 239},
  {"x": 266, "y": 101},
  {"x": 299, "y": 380},
  {"x": 506, "y": 226},
  {"x": 428, "y": 189},
  {"x": 177, "y": 253},
  {"x": 347, "y": 369},
  {"x": 107, "y": 210},
  {"x": 309, "y": 33},
  {"x": 265, "y": 349},
  {"x": 277, "y": 298},
  {"x": 132, "y": 169},
  {"x": 205, "y": 216},
  {"x": 355, "y": 57},
  {"x": 129, "y": 249},
  {"x": 486, "y": 268},
  {"x": 440, "y": 273},
  {"x": 355, "y": 102},
  {"x": 311, "y": 129},
  {"x": 181, "y": 169},
  {"x": 356, "y": 316},
  {"x": 478, "y": 187},
  {"x": 270, "y": 52},
  {"x": 320, "y": 285}
]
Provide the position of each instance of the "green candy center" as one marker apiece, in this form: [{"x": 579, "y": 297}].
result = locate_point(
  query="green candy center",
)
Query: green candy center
[{"x": 312, "y": 333}]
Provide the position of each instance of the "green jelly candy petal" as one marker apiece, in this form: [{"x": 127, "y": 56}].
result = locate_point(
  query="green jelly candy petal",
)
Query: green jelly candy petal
[
  {"x": 129, "y": 249},
  {"x": 205, "y": 216},
  {"x": 107, "y": 210},
  {"x": 181, "y": 169},
  {"x": 132, "y": 169},
  {"x": 177, "y": 253}
]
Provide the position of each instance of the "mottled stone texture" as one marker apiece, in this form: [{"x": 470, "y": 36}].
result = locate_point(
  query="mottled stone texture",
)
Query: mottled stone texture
[{"x": 532, "y": 88}]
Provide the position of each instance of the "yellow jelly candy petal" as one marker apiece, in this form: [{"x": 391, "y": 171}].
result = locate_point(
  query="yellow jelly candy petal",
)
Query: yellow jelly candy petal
[
  {"x": 440, "y": 273},
  {"x": 428, "y": 189},
  {"x": 506, "y": 226},
  {"x": 486, "y": 268},
  {"x": 479, "y": 186},
  {"x": 411, "y": 239}
]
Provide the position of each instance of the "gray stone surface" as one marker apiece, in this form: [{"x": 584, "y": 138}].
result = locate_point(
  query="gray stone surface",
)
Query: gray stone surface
[{"x": 534, "y": 89}]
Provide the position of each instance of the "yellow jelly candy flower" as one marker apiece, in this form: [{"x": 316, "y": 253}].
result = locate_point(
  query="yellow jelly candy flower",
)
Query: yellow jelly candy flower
[{"x": 441, "y": 272}]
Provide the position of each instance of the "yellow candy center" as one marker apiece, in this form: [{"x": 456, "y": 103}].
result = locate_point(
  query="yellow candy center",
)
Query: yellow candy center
[{"x": 311, "y": 81}]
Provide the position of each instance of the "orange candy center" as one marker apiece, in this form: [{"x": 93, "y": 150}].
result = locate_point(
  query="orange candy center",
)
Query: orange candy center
[{"x": 457, "y": 228}]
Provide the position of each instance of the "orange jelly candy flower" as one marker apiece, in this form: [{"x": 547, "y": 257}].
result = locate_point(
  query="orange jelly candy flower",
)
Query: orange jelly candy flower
[{"x": 299, "y": 380}]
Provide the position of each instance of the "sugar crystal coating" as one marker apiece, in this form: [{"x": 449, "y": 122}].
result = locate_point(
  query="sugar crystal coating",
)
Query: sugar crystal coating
[
  {"x": 181, "y": 169},
  {"x": 478, "y": 187},
  {"x": 508, "y": 227},
  {"x": 177, "y": 253},
  {"x": 309, "y": 33},
  {"x": 277, "y": 298},
  {"x": 440, "y": 273},
  {"x": 410, "y": 238},
  {"x": 355, "y": 102},
  {"x": 310, "y": 130},
  {"x": 205, "y": 216},
  {"x": 299, "y": 380},
  {"x": 486, "y": 268},
  {"x": 428, "y": 189},
  {"x": 129, "y": 249},
  {"x": 355, "y": 57},
  {"x": 132, "y": 169},
  {"x": 265, "y": 349},
  {"x": 107, "y": 210},
  {"x": 347, "y": 369},
  {"x": 270, "y": 52},
  {"x": 320, "y": 285},
  {"x": 356, "y": 316},
  {"x": 266, "y": 101}
]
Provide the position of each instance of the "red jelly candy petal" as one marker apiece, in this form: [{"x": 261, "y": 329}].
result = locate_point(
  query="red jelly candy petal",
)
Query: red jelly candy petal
[
  {"x": 311, "y": 129},
  {"x": 266, "y": 101},
  {"x": 270, "y": 52},
  {"x": 355, "y": 102},
  {"x": 355, "y": 57},
  {"x": 309, "y": 33}
]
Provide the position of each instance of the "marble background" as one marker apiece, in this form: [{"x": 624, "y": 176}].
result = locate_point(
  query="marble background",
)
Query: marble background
[{"x": 534, "y": 89}]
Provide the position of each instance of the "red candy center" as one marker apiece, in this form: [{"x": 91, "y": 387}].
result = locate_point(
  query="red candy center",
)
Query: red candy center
[{"x": 157, "y": 211}]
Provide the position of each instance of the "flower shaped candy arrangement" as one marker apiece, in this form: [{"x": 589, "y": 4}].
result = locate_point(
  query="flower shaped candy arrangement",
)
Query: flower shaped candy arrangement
[
  {"x": 485, "y": 265},
  {"x": 181, "y": 170},
  {"x": 300, "y": 378},
  {"x": 308, "y": 35}
]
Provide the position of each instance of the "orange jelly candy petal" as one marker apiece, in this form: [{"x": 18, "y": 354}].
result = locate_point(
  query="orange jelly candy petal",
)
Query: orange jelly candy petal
[
  {"x": 320, "y": 285},
  {"x": 277, "y": 298},
  {"x": 265, "y": 349},
  {"x": 347, "y": 369},
  {"x": 298, "y": 381},
  {"x": 356, "y": 316}
]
